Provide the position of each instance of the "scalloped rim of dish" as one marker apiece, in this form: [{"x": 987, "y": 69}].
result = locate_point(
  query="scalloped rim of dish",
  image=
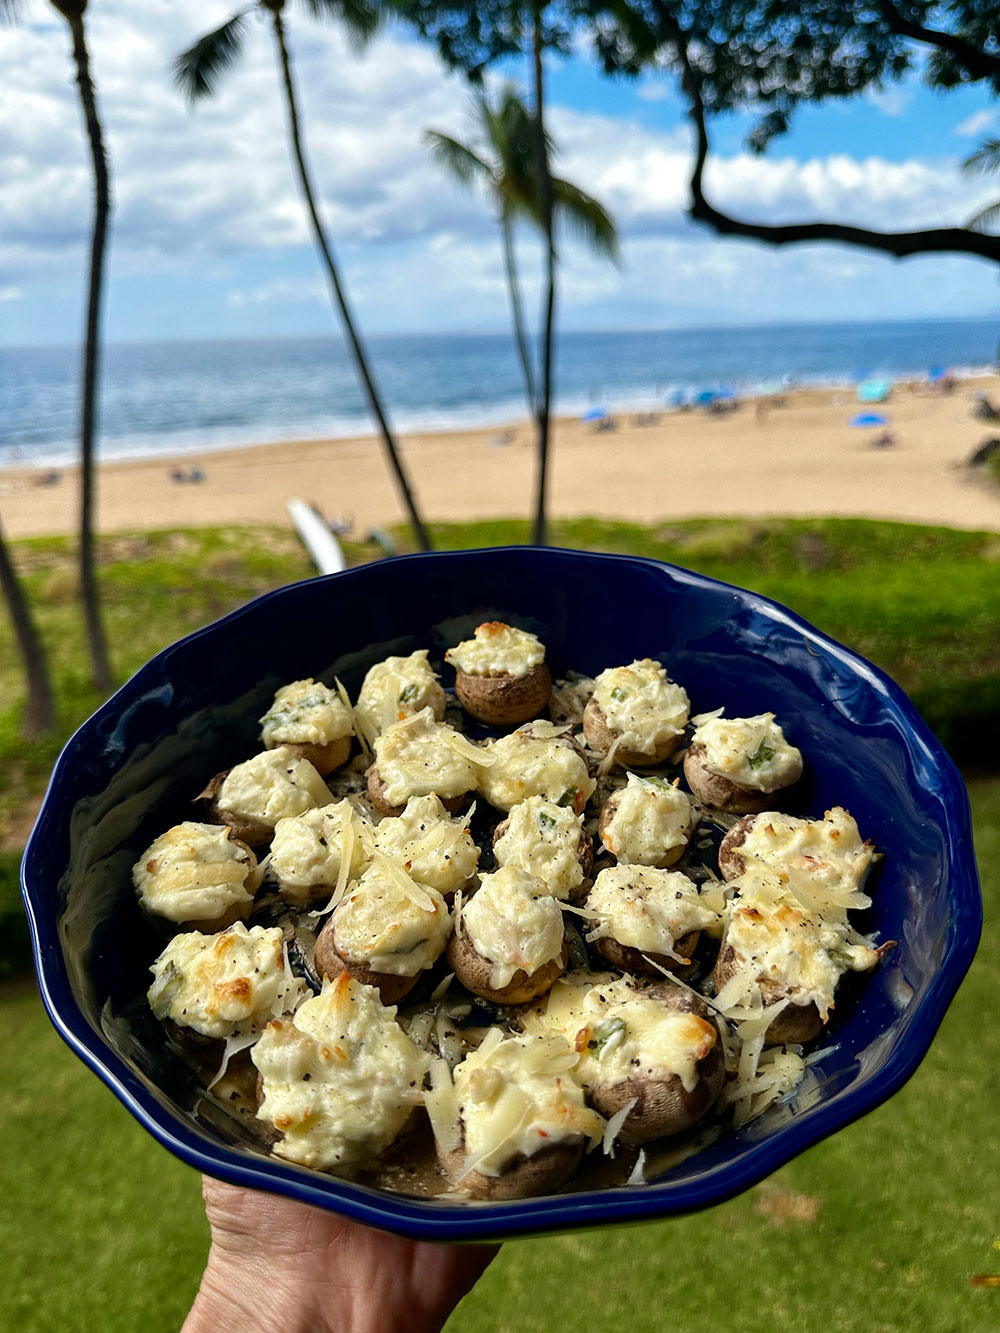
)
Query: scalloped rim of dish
[{"x": 429, "y": 1219}]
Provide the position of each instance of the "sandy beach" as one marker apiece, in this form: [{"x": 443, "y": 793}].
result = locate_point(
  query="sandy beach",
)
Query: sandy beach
[{"x": 793, "y": 460}]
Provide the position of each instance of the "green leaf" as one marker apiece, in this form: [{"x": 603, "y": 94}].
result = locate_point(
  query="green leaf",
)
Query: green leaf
[
  {"x": 763, "y": 754},
  {"x": 197, "y": 70},
  {"x": 608, "y": 1029}
]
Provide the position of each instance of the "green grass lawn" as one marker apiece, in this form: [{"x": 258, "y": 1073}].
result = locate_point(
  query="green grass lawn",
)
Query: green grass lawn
[
  {"x": 921, "y": 602},
  {"x": 878, "y": 1228}
]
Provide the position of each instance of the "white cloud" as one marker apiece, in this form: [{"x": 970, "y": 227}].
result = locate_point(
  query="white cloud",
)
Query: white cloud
[
  {"x": 11, "y": 294},
  {"x": 893, "y": 101},
  {"x": 197, "y": 190},
  {"x": 978, "y": 123}
]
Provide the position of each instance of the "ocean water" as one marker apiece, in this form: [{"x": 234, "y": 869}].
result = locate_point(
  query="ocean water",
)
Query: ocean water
[{"x": 175, "y": 397}]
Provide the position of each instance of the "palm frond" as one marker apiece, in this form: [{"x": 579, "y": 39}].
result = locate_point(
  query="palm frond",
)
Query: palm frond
[
  {"x": 986, "y": 219},
  {"x": 985, "y": 160},
  {"x": 458, "y": 158},
  {"x": 197, "y": 70},
  {"x": 360, "y": 19},
  {"x": 587, "y": 218}
]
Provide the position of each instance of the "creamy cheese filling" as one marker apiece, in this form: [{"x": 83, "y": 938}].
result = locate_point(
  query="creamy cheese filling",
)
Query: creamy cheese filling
[
  {"x": 340, "y": 1080},
  {"x": 390, "y": 923},
  {"x": 621, "y": 1033},
  {"x": 642, "y": 705},
  {"x": 543, "y": 839},
  {"x": 397, "y": 688},
  {"x": 308, "y": 850},
  {"x": 225, "y": 984},
  {"x": 651, "y": 818},
  {"x": 518, "y": 1095},
  {"x": 497, "y": 650},
  {"x": 536, "y": 760},
  {"x": 514, "y": 923},
  {"x": 419, "y": 755},
  {"x": 307, "y": 712},
  {"x": 825, "y": 860},
  {"x": 195, "y": 872},
  {"x": 647, "y": 909},
  {"x": 750, "y": 751},
  {"x": 272, "y": 785},
  {"x": 432, "y": 848},
  {"x": 784, "y": 951}
]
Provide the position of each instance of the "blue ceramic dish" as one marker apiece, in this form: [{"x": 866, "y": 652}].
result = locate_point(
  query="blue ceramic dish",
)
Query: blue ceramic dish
[{"x": 132, "y": 769}]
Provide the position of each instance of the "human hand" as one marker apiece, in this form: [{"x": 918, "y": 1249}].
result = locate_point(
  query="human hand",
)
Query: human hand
[{"x": 277, "y": 1266}]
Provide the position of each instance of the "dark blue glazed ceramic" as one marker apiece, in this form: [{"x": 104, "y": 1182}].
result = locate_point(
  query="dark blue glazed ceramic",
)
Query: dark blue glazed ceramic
[{"x": 132, "y": 770}]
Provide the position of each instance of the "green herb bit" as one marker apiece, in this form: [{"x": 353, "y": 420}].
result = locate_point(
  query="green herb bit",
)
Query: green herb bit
[
  {"x": 661, "y": 783},
  {"x": 408, "y": 693},
  {"x": 764, "y": 753},
  {"x": 568, "y": 797},
  {"x": 545, "y": 821},
  {"x": 608, "y": 1029},
  {"x": 618, "y": 694}
]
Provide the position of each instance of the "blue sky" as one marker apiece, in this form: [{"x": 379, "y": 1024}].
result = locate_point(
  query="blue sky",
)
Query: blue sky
[{"x": 210, "y": 240}]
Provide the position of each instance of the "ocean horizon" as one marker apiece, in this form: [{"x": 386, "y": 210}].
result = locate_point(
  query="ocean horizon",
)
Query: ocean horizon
[{"x": 185, "y": 396}]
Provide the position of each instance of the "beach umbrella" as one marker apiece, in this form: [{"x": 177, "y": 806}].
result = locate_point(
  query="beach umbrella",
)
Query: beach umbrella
[
  {"x": 938, "y": 373},
  {"x": 594, "y": 414},
  {"x": 704, "y": 397},
  {"x": 873, "y": 391},
  {"x": 677, "y": 398},
  {"x": 869, "y": 419}
]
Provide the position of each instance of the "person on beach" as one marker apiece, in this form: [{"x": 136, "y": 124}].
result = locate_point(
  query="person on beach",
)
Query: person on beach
[{"x": 277, "y": 1264}]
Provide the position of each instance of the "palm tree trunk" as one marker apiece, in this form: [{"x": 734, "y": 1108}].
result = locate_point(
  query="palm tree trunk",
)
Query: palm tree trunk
[
  {"x": 40, "y": 709},
  {"x": 544, "y": 403},
  {"x": 96, "y": 642},
  {"x": 419, "y": 530},
  {"x": 520, "y": 336}
]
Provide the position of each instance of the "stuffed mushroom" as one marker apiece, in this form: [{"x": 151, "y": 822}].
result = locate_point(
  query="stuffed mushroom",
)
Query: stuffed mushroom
[{"x": 501, "y": 676}]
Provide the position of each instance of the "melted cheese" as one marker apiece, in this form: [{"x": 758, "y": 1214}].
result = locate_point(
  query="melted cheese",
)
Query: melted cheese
[
  {"x": 825, "y": 860},
  {"x": 750, "y": 751},
  {"x": 195, "y": 872},
  {"x": 647, "y": 909},
  {"x": 642, "y": 705},
  {"x": 497, "y": 650},
  {"x": 390, "y": 923},
  {"x": 784, "y": 951},
  {"x": 514, "y": 923},
  {"x": 307, "y": 850},
  {"x": 272, "y": 785},
  {"x": 543, "y": 839},
  {"x": 536, "y": 760},
  {"x": 419, "y": 756},
  {"x": 340, "y": 1080},
  {"x": 397, "y": 688},
  {"x": 518, "y": 1095},
  {"x": 306, "y": 712},
  {"x": 621, "y": 1033},
  {"x": 432, "y": 848},
  {"x": 651, "y": 818},
  {"x": 225, "y": 984}
]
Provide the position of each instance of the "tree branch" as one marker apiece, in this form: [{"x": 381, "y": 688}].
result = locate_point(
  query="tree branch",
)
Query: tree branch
[
  {"x": 979, "y": 63},
  {"x": 900, "y": 243}
]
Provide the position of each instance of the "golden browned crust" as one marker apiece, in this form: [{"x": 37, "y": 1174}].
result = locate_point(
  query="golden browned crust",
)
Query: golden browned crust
[
  {"x": 731, "y": 863},
  {"x": 663, "y": 1105},
  {"x": 473, "y": 971},
  {"x": 329, "y": 963},
  {"x": 797, "y": 1023},
  {"x": 253, "y": 832},
  {"x": 715, "y": 790},
  {"x": 505, "y": 700},
  {"x": 324, "y": 758},
  {"x": 601, "y": 737},
  {"x": 626, "y": 958},
  {"x": 376, "y": 794},
  {"x": 523, "y": 1178},
  {"x": 671, "y": 855}
]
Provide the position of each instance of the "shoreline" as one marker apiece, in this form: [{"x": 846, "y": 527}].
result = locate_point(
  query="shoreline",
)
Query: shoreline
[{"x": 801, "y": 459}]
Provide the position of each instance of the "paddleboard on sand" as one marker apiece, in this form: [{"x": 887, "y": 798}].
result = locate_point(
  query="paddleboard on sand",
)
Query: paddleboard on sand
[{"x": 316, "y": 537}]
